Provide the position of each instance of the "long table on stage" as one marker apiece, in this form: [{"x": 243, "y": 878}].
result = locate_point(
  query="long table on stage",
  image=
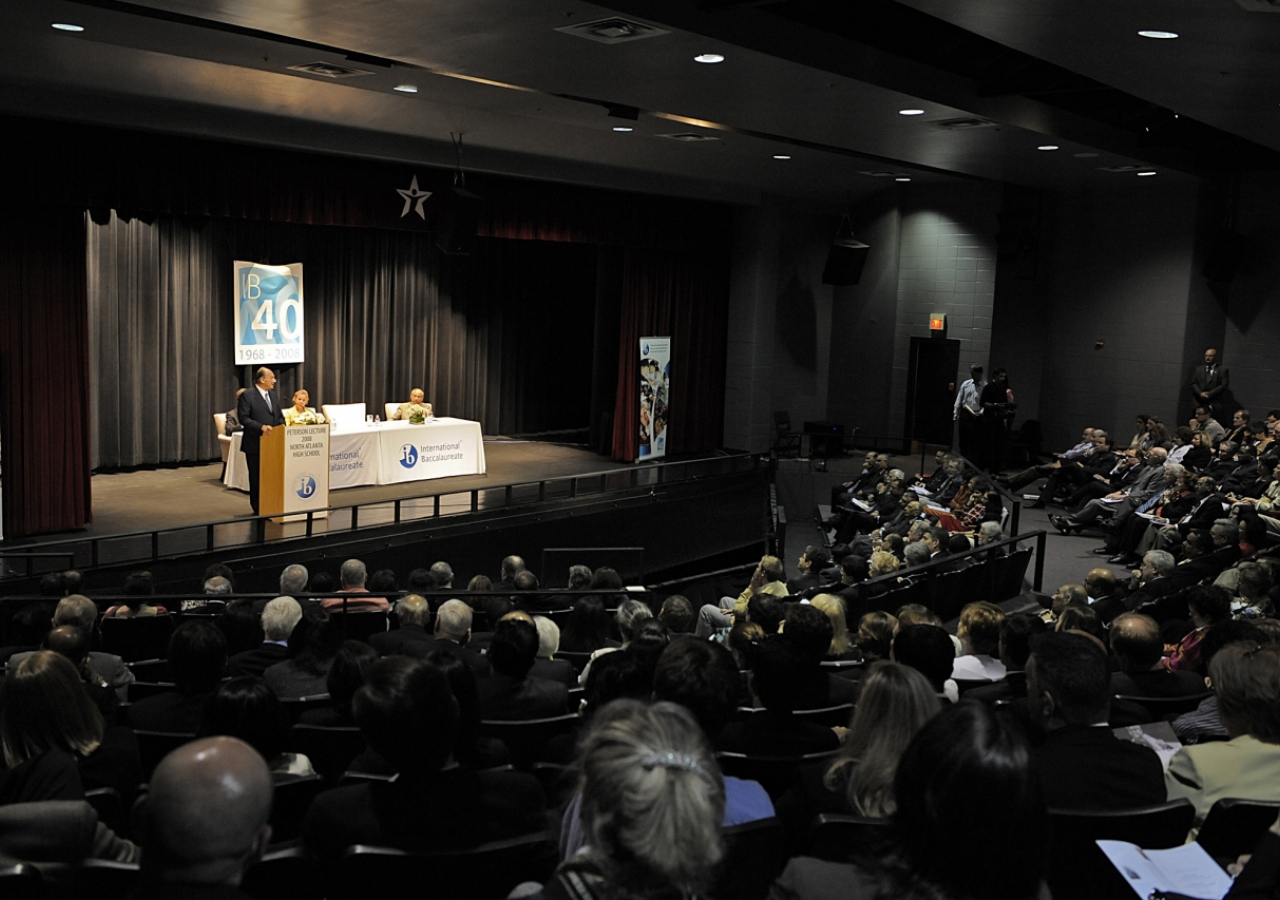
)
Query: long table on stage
[{"x": 388, "y": 453}]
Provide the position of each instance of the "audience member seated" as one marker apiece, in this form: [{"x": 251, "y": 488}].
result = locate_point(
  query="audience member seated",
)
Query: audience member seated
[
  {"x": 72, "y": 643},
  {"x": 82, "y": 612},
  {"x": 677, "y": 614},
  {"x": 812, "y": 561},
  {"x": 896, "y": 701},
  {"x": 808, "y": 631},
  {"x": 766, "y": 579},
  {"x": 841, "y": 647},
  {"x": 1136, "y": 644},
  {"x": 628, "y": 618},
  {"x": 409, "y": 716},
  {"x": 546, "y": 665},
  {"x": 354, "y": 596},
  {"x": 203, "y": 821},
  {"x": 928, "y": 650},
  {"x": 312, "y": 647},
  {"x": 470, "y": 748},
  {"x": 197, "y": 658},
  {"x": 347, "y": 673},
  {"x": 510, "y": 692},
  {"x": 777, "y": 676},
  {"x": 586, "y": 629},
  {"x": 1081, "y": 764},
  {"x": 1081, "y": 618},
  {"x": 411, "y": 638},
  {"x": 1016, "y": 635},
  {"x": 245, "y": 708},
  {"x": 1204, "y": 722},
  {"x": 293, "y": 582},
  {"x": 1208, "y": 606},
  {"x": 875, "y": 635},
  {"x": 1246, "y": 679},
  {"x": 964, "y": 760},
  {"x": 1253, "y": 584},
  {"x": 241, "y": 626},
  {"x": 54, "y": 738},
  {"x": 979, "y": 633},
  {"x": 138, "y": 586},
  {"x": 652, "y": 805},
  {"x": 453, "y": 631},
  {"x": 279, "y": 617}
]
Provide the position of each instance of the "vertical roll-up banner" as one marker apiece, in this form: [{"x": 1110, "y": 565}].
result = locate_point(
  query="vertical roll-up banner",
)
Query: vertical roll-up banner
[
  {"x": 268, "y": 314},
  {"x": 655, "y": 378}
]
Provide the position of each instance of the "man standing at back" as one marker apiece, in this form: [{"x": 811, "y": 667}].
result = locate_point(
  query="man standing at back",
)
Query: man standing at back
[
  {"x": 1209, "y": 382},
  {"x": 204, "y": 820},
  {"x": 259, "y": 411},
  {"x": 968, "y": 412}
]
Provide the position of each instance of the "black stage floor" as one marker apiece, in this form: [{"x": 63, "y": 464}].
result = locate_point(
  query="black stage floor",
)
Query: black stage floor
[{"x": 191, "y": 495}]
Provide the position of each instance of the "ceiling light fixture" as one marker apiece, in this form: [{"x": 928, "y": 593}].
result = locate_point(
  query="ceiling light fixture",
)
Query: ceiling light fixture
[
  {"x": 1048, "y": 147},
  {"x": 622, "y": 128},
  {"x": 1145, "y": 173},
  {"x": 911, "y": 112},
  {"x": 709, "y": 58},
  {"x": 406, "y": 88},
  {"x": 1159, "y": 35},
  {"x": 902, "y": 178},
  {"x": 67, "y": 26}
]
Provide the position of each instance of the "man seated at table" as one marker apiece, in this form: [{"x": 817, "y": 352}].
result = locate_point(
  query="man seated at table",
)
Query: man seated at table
[{"x": 415, "y": 406}]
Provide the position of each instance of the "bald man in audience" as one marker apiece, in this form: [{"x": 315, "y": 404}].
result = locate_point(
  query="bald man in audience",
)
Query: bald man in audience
[
  {"x": 1137, "y": 646},
  {"x": 204, "y": 820},
  {"x": 411, "y": 638}
]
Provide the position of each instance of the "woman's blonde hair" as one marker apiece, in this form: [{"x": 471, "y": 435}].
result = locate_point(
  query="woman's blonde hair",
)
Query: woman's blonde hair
[
  {"x": 883, "y": 562},
  {"x": 895, "y": 702},
  {"x": 833, "y": 606},
  {"x": 43, "y": 707},
  {"x": 652, "y": 797}
]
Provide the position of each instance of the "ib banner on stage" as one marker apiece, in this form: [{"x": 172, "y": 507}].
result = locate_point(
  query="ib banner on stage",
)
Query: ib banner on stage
[
  {"x": 268, "y": 315},
  {"x": 655, "y": 381}
]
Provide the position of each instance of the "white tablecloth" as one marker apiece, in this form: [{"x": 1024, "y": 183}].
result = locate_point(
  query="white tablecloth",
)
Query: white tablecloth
[{"x": 390, "y": 453}]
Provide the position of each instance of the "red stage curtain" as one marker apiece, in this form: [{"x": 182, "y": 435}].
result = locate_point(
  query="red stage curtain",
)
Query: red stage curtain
[
  {"x": 44, "y": 364},
  {"x": 686, "y": 296}
]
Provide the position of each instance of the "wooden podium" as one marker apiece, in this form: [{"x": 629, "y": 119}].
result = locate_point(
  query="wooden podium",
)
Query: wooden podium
[{"x": 294, "y": 471}]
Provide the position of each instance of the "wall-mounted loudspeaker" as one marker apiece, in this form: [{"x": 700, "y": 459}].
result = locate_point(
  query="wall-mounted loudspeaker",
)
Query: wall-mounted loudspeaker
[
  {"x": 845, "y": 260},
  {"x": 458, "y": 217}
]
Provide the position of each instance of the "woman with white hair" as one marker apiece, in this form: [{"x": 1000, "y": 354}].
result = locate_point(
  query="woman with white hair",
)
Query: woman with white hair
[{"x": 652, "y": 804}]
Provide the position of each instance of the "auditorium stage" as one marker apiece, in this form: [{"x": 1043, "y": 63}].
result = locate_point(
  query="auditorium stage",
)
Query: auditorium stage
[{"x": 189, "y": 495}]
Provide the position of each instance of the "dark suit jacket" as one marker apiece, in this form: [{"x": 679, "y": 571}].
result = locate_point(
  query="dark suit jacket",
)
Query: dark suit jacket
[
  {"x": 558, "y": 670},
  {"x": 802, "y": 583},
  {"x": 1090, "y": 768},
  {"x": 478, "y": 662},
  {"x": 174, "y": 712},
  {"x": 389, "y": 643},
  {"x": 253, "y": 414},
  {"x": 256, "y": 661},
  {"x": 1201, "y": 382},
  {"x": 505, "y": 698}
]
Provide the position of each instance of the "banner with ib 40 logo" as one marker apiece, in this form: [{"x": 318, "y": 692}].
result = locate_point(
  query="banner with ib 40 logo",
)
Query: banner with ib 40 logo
[
  {"x": 268, "y": 313},
  {"x": 655, "y": 383}
]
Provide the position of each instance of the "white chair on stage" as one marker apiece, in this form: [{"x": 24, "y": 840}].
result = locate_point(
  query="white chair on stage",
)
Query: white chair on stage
[
  {"x": 341, "y": 416},
  {"x": 390, "y": 410},
  {"x": 224, "y": 439}
]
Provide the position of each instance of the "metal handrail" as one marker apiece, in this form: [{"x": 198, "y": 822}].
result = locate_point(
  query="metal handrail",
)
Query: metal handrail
[{"x": 661, "y": 473}]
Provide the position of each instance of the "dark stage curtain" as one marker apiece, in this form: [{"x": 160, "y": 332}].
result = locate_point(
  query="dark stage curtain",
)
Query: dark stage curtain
[
  {"x": 43, "y": 362},
  {"x": 503, "y": 336},
  {"x": 686, "y": 296}
]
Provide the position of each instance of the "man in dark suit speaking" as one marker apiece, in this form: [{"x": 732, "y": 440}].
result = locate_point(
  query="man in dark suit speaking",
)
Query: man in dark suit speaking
[{"x": 258, "y": 411}]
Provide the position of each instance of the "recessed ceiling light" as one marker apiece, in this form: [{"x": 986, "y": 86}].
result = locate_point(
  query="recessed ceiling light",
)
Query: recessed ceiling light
[
  {"x": 1145, "y": 173},
  {"x": 66, "y": 26},
  {"x": 911, "y": 112},
  {"x": 902, "y": 178},
  {"x": 1159, "y": 35},
  {"x": 622, "y": 128},
  {"x": 781, "y": 156},
  {"x": 406, "y": 88},
  {"x": 1047, "y": 147},
  {"x": 1085, "y": 155},
  {"x": 709, "y": 58}
]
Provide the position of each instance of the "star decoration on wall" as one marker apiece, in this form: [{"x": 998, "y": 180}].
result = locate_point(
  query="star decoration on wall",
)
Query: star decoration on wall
[{"x": 413, "y": 197}]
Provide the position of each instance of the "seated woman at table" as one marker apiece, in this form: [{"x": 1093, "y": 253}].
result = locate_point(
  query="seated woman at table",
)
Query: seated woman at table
[{"x": 300, "y": 413}]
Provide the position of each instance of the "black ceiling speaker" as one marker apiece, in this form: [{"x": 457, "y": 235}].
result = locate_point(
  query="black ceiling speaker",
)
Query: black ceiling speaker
[
  {"x": 845, "y": 260},
  {"x": 459, "y": 214}
]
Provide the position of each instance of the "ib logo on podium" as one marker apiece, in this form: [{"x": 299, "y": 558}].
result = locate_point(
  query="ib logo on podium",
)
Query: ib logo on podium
[
  {"x": 268, "y": 317},
  {"x": 408, "y": 456},
  {"x": 306, "y": 487}
]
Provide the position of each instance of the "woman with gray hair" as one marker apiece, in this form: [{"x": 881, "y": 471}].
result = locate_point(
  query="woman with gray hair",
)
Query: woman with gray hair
[
  {"x": 628, "y": 618},
  {"x": 652, "y": 804}
]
